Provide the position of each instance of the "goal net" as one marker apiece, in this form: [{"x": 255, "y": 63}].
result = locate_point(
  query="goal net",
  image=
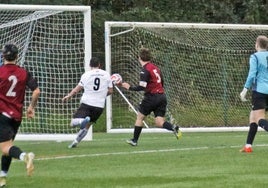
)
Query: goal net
[
  {"x": 204, "y": 66},
  {"x": 55, "y": 46}
]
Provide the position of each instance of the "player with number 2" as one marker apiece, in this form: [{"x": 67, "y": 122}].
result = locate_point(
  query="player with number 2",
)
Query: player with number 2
[{"x": 14, "y": 80}]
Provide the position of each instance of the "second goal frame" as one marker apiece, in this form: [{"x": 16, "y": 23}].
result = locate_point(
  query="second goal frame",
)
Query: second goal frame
[{"x": 204, "y": 65}]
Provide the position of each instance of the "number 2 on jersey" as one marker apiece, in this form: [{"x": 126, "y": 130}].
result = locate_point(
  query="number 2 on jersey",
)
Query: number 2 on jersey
[{"x": 13, "y": 79}]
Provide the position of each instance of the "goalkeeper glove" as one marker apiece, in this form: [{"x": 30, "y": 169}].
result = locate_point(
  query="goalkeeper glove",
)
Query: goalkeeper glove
[{"x": 243, "y": 95}]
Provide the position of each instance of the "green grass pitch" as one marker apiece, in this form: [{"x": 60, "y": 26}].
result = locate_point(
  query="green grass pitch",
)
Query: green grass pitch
[{"x": 197, "y": 160}]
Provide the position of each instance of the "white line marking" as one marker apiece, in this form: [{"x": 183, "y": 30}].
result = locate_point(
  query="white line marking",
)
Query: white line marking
[
  {"x": 121, "y": 153},
  {"x": 141, "y": 152}
]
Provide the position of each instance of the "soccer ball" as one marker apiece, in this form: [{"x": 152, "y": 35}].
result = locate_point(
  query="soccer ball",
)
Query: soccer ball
[{"x": 116, "y": 78}]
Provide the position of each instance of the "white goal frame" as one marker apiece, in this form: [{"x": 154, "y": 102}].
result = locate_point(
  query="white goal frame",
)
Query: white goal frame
[
  {"x": 87, "y": 55},
  {"x": 132, "y": 26}
]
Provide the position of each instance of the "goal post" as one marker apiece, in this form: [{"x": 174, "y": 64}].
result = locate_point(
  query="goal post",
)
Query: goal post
[
  {"x": 55, "y": 46},
  {"x": 204, "y": 67}
]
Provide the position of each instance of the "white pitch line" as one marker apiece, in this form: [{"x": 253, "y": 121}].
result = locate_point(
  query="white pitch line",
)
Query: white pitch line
[
  {"x": 119, "y": 153},
  {"x": 140, "y": 152}
]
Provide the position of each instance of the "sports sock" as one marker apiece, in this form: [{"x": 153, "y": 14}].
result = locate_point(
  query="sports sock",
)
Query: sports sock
[
  {"x": 5, "y": 163},
  {"x": 168, "y": 126},
  {"x": 76, "y": 121},
  {"x": 81, "y": 134},
  {"x": 15, "y": 152},
  {"x": 137, "y": 132},
  {"x": 263, "y": 124},
  {"x": 253, "y": 127},
  {"x": 3, "y": 173}
]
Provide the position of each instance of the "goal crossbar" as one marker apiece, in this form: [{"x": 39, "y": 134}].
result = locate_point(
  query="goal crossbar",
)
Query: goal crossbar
[{"x": 185, "y": 25}]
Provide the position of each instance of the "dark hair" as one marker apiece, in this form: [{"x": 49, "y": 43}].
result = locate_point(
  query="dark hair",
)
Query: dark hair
[
  {"x": 10, "y": 52},
  {"x": 145, "y": 54},
  {"x": 94, "y": 62}
]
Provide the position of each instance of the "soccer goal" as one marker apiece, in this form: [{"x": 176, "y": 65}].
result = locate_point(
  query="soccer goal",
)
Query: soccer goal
[
  {"x": 204, "y": 67},
  {"x": 55, "y": 45}
]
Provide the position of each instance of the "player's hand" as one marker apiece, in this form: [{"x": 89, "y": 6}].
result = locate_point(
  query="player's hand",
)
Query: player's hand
[
  {"x": 30, "y": 112},
  {"x": 243, "y": 95},
  {"x": 125, "y": 85},
  {"x": 66, "y": 98}
]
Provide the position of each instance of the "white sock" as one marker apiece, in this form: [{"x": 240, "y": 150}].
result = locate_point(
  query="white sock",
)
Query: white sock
[
  {"x": 3, "y": 173},
  {"x": 22, "y": 155},
  {"x": 81, "y": 134},
  {"x": 248, "y": 145},
  {"x": 76, "y": 121}
]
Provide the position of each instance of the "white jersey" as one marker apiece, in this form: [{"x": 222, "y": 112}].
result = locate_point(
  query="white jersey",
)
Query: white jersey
[{"x": 95, "y": 83}]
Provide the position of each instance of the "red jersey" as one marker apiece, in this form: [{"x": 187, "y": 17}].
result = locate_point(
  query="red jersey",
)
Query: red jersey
[
  {"x": 13, "y": 81},
  {"x": 152, "y": 75}
]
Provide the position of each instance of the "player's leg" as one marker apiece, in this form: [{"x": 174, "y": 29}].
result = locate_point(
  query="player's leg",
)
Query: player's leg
[
  {"x": 85, "y": 111},
  {"x": 256, "y": 117},
  {"x": 82, "y": 122},
  {"x": 5, "y": 164},
  {"x": 160, "y": 111},
  {"x": 8, "y": 131},
  {"x": 145, "y": 108},
  {"x": 81, "y": 117},
  {"x": 80, "y": 135},
  {"x": 259, "y": 108},
  {"x": 253, "y": 128},
  {"x": 137, "y": 129},
  {"x": 12, "y": 151},
  {"x": 161, "y": 123}
]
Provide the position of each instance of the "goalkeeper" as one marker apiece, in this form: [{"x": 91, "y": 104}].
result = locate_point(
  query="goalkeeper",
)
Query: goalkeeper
[
  {"x": 151, "y": 81},
  {"x": 257, "y": 80},
  {"x": 97, "y": 84}
]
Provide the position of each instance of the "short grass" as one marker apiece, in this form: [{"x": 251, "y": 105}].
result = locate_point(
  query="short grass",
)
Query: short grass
[{"x": 197, "y": 160}]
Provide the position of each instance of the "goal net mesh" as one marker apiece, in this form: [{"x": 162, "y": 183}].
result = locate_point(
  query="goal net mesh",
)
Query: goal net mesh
[
  {"x": 51, "y": 47},
  {"x": 204, "y": 71}
]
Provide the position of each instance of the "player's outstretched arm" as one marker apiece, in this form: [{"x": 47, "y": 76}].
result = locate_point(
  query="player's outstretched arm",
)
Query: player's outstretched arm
[{"x": 72, "y": 93}]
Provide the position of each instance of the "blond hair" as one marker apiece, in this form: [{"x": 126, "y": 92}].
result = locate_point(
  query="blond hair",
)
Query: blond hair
[{"x": 262, "y": 41}]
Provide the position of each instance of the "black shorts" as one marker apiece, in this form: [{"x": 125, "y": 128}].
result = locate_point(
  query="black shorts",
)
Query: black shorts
[
  {"x": 259, "y": 101},
  {"x": 8, "y": 128},
  {"x": 156, "y": 103},
  {"x": 86, "y": 110}
]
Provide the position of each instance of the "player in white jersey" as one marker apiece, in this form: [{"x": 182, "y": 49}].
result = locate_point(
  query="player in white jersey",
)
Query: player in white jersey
[{"x": 97, "y": 85}]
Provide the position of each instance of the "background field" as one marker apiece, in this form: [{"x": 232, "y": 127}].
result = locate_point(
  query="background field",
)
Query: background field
[{"x": 197, "y": 160}]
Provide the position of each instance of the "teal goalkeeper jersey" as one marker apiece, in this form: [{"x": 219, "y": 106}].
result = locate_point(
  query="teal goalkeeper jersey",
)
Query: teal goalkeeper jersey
[{"x": 258, "y": 72}]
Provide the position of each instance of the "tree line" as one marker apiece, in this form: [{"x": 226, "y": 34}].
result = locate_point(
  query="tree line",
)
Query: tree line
[{"x": 194, "y": 11}]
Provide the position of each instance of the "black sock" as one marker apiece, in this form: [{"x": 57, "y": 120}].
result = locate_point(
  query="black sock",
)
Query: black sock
[
  {"x": 253, "y": 127},
  {"x": 137, "y": 132},
  {"x": 15, "y": 152},
  {"x": 263, "y": 124},
  {"x": 168, "y": 126},
  {"x": 5, "y": 163}
]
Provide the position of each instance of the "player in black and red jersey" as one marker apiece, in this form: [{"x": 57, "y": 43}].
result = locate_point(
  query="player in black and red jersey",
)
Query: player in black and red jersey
[
  {"x": 152, "y": 83},
  {"x": 13, "y": 82}
]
